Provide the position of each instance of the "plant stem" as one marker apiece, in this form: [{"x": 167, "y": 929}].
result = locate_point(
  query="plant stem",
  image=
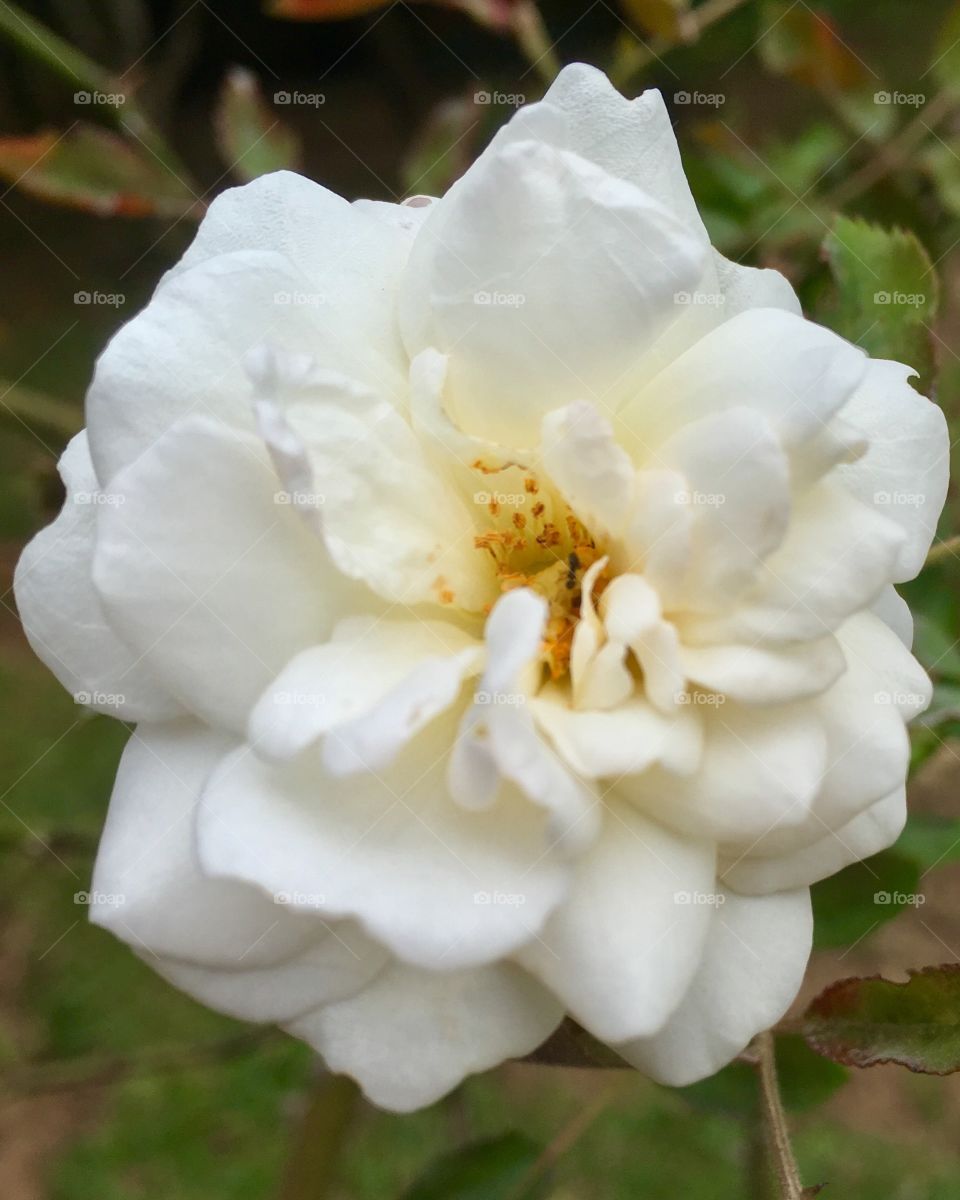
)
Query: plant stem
[
  {"x": 778, "y": 1136},
  {"x": 895, "y": 152},
  {"x": 534, "y": 40},
  {"x": 311, "y": 1170},
  {"x": 940, "y": 551}
]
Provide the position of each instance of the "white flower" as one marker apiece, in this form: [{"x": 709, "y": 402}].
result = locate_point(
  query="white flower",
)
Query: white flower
[{"x": 504, "y": 633}]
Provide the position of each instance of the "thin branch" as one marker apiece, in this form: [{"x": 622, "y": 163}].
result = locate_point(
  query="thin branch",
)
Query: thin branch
[
  {"x": 311, "y": 1170},
  {"x": 565, "y": 1140},
  {"x": 895, "y": 153},
  {"x": 781, "y": 1150},
  {"x": 948, "y": 548}
]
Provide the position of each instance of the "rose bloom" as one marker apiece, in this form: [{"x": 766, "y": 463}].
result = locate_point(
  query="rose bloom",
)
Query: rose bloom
[{"x": 501, "y": 587}]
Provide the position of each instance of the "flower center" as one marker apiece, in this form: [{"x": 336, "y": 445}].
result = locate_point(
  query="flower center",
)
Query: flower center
[{"x": 533, "y": 539}]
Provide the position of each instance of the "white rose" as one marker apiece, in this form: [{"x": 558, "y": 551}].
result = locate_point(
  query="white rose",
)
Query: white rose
[{"x": 490, "y": 755}]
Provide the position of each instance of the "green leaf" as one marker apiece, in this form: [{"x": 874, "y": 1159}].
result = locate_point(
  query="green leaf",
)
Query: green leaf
[
  {"x": 449, "y": 141},
  {"x": 95, "y": 170},
  {"x": 849, "y": 905},
  {"x": 251, "y": 137},
  {"x": 888, "y": 292},
  {"x": 863, "y": 1022},
  {"x": 492, "y": 1169},
  {"x": 807, "y": 46}
]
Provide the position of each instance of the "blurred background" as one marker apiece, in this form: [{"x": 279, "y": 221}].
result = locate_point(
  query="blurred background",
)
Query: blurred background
[{"x": 119, "y": 121}]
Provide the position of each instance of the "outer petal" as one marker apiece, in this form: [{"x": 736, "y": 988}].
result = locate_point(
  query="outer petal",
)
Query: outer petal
[
  {"x": 752, "y": 969},
  {"x": 337, "y": 965},
  {"x": 795, "y": 373},
  {"x": 750, "y": 287},
  {"x": 907, "y": 465},
  {"x": 413, "y": 1035},
  {"x": 184, "y": 353},
  {"x": 761, "y": 771},
  {"x": 343, "y": 680},
  {"x": 837, "y": 557},
  {"x": 542, "y": 277},
  {"x": 61, "y": 612},
  {"x": 867, "y": 834},
  {"x": 622, "y": 949},
  {"x": 630, "y": 139},
  {"x": 441, "y": 887},
  {"x": 207, "y": 576},
  {"x": 147, "y": 887}
]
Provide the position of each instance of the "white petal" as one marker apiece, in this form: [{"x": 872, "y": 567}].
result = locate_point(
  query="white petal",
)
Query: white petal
[
  {"x": 203, "y": 572},
  {"x": 336, "y": 683},
  {"x": 749, "y": 287},
  {"x": 623, "y": 947},
  {"x": 868, "y": 833},
  {"x": 794, "y": 373},
  {"x": 739, "y": 489},
  {"x": 184, "y": 353},
  {"x": 619, "y": 741},
  {"x": 752, "y": 968},
  {"x": 498, "y": 740},
  {"x": 765, "y": 674},
  {"x": 761, "y": 770},
  {"x": 337, "y": 965},
  {"x": 894, "y": 611},
  {"x": 147, "y": 887},
  {"x": 542, "y": 277},
  {"x": 61, "y": 612},
  {"x": 906, "y": 467},
  {"x": 388, "y": 517},
  {"x": 390, "y": 849},
  {"x": 631, "y": 612},
  {"x": 412, "y": 1036},
  {"x": 583, "y": 459},
  {"x": 835, "y": 560},
  {"x": 631, "y": 139}
]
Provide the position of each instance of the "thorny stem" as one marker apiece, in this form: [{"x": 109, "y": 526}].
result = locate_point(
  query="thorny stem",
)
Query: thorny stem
[{"x": 781, "y": 1151}]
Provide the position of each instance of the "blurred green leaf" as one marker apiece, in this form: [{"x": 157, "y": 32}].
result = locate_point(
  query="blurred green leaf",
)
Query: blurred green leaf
[
  {"x": 251, "y": 137},
  {"x": 888, "y": 292},
  {"x": 95, "y": 170},
  {"x": 930, "y": 841},
  {"x": 448, "y": 142},
  {"x": 667, "y": 19},
  {"x": 805, "y": 44},
  {"x": 849, "y": 905},
  {"x": 806, "y": 1081},
  {"x": 492, "y": 1169},
  {"x": 862, "y": 1022}
]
